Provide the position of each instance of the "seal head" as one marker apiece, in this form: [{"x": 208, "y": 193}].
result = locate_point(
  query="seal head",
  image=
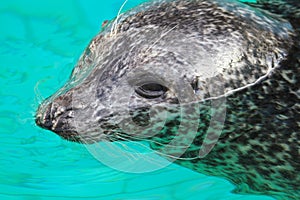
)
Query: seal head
[
  {"x": 164, "y": 70},
  {"x": 153, "y": 47}
]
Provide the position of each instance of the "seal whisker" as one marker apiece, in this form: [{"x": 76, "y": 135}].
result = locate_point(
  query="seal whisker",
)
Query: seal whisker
[
  {"x": 38, "y": 97},
  {"x": 25, "y": 120},
  {"x": 111, "y": 145},
  {"x": 129, "y": 138},
  {"x": 258, "y": 80},
  {"x": 160, "y": 38},
  {"x": 136, "y": 155},
  {"x": 114, "y": 26},
  {"x": 158, "y": 152}
]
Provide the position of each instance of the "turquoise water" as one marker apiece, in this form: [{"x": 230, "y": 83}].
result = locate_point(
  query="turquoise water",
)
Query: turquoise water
[{"x": 40, "y": 42}]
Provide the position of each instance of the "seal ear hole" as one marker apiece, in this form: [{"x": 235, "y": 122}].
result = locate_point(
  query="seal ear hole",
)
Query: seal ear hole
[
  {"x": 151, "y": 90},
  {"x": 195, "y": 84}
]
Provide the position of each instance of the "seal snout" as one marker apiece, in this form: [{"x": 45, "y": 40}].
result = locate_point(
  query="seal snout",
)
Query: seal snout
[
  {"x": 43, "y": 118},
  {"x": 51, "y": 116},
  {"x": 56, "y": 115}
]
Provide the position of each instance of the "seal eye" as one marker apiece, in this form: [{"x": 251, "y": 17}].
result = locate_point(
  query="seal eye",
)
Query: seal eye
[{"x": 151, "y": 90}]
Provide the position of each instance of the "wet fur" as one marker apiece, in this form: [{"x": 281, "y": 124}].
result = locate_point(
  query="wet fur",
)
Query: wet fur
[{"x": 258, "y": 149}]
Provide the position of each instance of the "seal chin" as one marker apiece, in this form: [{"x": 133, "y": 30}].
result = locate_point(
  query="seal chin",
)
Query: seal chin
[{"x": 72, "y": 136}]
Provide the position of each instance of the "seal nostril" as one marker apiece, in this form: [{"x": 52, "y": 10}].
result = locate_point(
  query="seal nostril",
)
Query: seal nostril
[
  {"x": 44, "y": 118},
  {"x": 38, "y": 120}
]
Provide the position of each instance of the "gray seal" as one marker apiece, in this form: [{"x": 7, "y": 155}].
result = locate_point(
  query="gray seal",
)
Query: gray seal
[{"x": 218, "y": 80}]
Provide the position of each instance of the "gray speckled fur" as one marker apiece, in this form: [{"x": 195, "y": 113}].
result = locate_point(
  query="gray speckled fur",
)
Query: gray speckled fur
[{"x": 258, "y": 149}]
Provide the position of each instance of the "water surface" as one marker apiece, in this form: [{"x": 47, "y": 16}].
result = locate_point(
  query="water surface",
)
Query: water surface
[{"x": 40, "y": 42}]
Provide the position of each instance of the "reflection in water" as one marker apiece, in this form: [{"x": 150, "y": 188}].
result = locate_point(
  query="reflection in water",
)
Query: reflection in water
[{"x": 38, "y": 44}]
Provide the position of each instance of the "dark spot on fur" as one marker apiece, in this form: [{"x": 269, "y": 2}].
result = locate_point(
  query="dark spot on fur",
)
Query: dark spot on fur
[{"x": 141, "y": 116}]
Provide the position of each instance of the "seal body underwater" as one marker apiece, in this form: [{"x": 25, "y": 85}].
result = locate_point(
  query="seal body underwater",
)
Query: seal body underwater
[{"x": 237, "y": 64}]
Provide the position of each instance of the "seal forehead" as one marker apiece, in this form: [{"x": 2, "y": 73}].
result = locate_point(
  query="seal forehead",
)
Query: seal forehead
[{"x": 210, "y": 38}]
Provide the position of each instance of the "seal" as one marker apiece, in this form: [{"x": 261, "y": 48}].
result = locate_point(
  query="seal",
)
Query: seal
[{"x": 213, "y": 83}]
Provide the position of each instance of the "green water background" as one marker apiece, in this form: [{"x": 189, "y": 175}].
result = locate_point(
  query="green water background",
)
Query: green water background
[{"x": 40, "y": 42}]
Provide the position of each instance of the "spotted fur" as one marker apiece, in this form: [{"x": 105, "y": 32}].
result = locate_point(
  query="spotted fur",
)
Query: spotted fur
[{"x": 218, "y": 51}]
